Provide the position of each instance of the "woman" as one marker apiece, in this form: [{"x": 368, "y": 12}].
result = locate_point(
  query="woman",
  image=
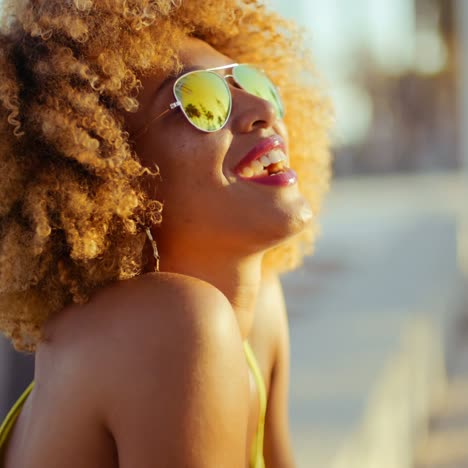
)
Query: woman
[{"x": 161, "y": 338}]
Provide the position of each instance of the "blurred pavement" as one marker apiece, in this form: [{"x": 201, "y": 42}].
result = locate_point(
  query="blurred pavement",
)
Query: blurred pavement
[
  {"x": 387, "y": 262},
  {"x": 446, "y": 443}
]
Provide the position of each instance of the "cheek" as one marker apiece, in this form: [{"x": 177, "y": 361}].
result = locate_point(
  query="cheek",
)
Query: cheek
[
  {"x": 282, "y": 130},
  {"x": 200, "y": 157},
  {"x": 191, "y": 162},
  {"x": 192, "y": 173}
]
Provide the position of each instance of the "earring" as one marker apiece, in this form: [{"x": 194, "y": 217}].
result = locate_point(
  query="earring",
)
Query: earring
[{"x": 155, "y": 248}]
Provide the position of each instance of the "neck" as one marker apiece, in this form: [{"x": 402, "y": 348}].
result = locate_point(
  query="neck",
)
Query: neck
[{"x": 238, "y": 278}]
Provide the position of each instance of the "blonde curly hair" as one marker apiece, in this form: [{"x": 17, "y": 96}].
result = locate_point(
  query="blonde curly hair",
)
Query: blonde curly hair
[{"x": 73, "y": 208}]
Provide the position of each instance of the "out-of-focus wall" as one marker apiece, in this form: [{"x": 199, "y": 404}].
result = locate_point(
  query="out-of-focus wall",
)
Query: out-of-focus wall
[{"x": 391, "y": 69}]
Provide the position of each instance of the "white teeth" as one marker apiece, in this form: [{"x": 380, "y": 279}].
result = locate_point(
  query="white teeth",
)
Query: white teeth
[
  {"x": 276, "y": 156},
  {"x": 272, "y": 157},
  {"x": 265, "y": 160},
  {"x": 257, "y": 167},
  {"x": 247, "y": 172}
]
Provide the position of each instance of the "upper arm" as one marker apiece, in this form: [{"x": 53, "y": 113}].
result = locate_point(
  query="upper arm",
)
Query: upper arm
[
  {"x": 277, "y": 445},
  {"x": 181, "y": 400}
]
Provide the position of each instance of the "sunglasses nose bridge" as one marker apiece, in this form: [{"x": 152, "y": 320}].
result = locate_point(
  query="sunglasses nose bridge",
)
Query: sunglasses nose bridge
[{"x": 230, "y": 80}]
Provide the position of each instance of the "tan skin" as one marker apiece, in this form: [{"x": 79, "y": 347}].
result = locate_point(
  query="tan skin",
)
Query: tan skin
[{"x": 151, "y": 372}]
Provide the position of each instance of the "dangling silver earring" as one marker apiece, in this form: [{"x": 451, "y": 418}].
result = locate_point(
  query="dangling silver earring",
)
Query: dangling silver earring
[{"x": 155, "y": 248}]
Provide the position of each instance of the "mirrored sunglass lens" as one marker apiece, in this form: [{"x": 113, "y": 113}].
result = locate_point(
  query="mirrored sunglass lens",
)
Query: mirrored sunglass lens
[
  {"x": 205, "y": 99},
  {"x": 257, "y": 83}
]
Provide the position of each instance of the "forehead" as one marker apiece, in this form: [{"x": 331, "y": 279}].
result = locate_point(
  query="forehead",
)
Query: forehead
[
  {"x": 194, "y": 54},
  {"x": 197, "y": 53}
]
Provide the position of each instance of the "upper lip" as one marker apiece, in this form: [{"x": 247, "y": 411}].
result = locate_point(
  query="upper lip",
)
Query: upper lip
[{"x": 262, "y": 147}]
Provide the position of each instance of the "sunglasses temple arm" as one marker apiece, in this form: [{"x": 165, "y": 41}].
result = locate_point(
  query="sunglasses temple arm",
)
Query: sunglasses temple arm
[{"x": 147, "y": 125}]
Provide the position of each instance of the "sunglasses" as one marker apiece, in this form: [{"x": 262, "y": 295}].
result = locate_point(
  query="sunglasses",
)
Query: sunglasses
[{"x": 206, "y": 100}]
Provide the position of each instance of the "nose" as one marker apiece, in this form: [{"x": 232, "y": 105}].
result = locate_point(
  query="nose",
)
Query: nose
[{"x": 250, "y": 112}]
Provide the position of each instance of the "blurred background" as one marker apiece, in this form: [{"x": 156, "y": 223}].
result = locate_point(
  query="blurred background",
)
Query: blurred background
[
  {"x": 379, "y": 334},
  {"x": 379, "y": 331}
]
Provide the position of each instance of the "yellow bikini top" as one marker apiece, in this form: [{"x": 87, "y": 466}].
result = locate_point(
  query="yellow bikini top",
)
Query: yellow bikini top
[
  {"x": 256, "y": 454},
  {"x": 256, "y": 457}
]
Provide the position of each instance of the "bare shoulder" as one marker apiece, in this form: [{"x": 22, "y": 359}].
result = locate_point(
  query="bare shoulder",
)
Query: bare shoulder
[
  {"x": 146, "y": 305},
  {"x": 162, "y": 289},
  {"x": 168, "y": 356},
  {"x": 141, "y": 312},
  {"x": 163, "y": 315}
]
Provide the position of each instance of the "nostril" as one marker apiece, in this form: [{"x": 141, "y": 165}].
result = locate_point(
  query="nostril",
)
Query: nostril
[
  {"x": 251, "y": 112},
  {"x": 260, "y": 124},
  {"x": 267, "y": 115}
]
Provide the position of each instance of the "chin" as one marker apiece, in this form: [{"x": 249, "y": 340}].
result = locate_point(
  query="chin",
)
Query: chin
[
  {"x": 278, "y": 224},
  {"x": 293, "y": 220}
]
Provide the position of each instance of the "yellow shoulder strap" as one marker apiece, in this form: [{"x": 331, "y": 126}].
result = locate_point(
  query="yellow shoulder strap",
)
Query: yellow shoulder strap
[
  {"x": 12, "y": 415},
  {"x": 256, "y": 458}
]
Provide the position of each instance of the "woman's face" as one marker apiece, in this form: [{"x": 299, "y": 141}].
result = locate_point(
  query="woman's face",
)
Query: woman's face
[{"x": 207, "y": 202}]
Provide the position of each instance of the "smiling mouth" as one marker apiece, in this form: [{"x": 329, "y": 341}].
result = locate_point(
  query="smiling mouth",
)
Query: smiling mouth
[
  {"x": 266, "y": 158},
  {"x": 271, "y": 163},
  {"x": 267, "y": 164}
]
